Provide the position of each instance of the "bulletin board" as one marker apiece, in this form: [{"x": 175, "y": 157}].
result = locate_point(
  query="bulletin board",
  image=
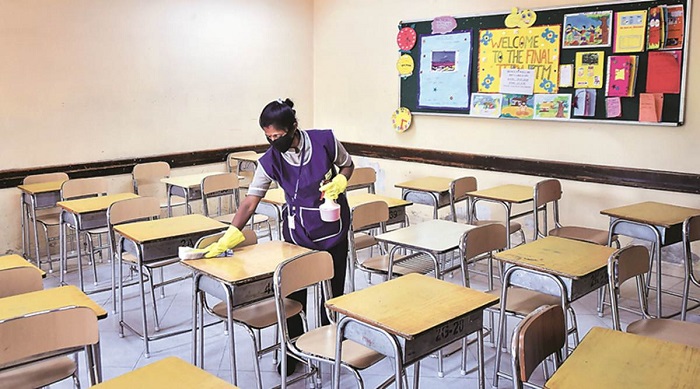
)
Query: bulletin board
[{"x": 612, "y": 62}]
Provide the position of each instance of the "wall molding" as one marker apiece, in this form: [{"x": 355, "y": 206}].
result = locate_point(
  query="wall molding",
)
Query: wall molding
[{"x": 601, "y": 174}]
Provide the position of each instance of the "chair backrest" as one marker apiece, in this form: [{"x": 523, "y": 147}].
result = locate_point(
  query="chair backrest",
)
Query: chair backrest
[
  {"x": 145, "y": 177},
  {"x": 18, "y": 280},
  {"x": 539, "y": 335},
  {"x": 219, "y": 186},
  {"x": 250, "y": 237},
  {"x": 46, "y": 334},
  {"x": 479, "y": 241},
  {"x": 625, "y": 263},
  {"x": 458, "y": 192},
  {"x": 128, "y": 211},
  {"x": 46, "y": 177},
  {"x": 691, "y": 231},
  {"x": 545, "y": 192},
  {"x": 362, "y": 177},
  {"x": 83, "y": 187},
  {"x": 369, "y": 214}
]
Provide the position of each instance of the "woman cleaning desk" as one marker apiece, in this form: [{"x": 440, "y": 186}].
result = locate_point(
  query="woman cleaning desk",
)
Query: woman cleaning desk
[{"x": 303, "y": 163}]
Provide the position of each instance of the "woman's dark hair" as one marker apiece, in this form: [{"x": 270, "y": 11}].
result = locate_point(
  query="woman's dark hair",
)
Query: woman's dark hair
[{"x": 279, "y": 114}]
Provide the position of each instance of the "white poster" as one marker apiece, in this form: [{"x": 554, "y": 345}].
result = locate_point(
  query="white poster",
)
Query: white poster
[
  {"x": 445, "y": 61},
  {"x": 517, "y": 81}
]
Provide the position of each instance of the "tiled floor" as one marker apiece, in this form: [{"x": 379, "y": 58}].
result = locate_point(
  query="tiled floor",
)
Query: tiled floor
[{"x": 120, "y": 355}]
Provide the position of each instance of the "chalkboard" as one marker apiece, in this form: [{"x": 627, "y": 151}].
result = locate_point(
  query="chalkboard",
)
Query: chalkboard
[{"x": 440, "y": 84}]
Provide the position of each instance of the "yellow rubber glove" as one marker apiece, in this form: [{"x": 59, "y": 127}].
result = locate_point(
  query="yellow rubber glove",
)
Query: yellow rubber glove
[
  {"x": 335, "y": 187},
  {"x": 229, "y": 240}
]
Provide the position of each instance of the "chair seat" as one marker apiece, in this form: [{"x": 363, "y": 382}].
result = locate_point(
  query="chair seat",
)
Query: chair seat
[
  {"x": 321, "y": 342},
  {"x": 49, "y": 219},
  {"x": 39, "y": 374},
  {"x": 260, "y": 315},
  {"x": 514, "y": 226},
  {"x": 128, "y": 257},
  {"x": 585, "y": 234},
  {"x": 669, "y": 330},
  {"x": 523, "y": 301},
  {"x": 380, "y": 264},
  {"x": 363, "y": 241}
]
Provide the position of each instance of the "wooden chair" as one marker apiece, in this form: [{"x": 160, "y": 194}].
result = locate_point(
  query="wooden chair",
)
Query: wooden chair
[
  {"x": 546, "y": 197},
  {"x": 81, "y": 188},
  {"x": 46, "y": 218},
  {"x": 310, "y": 271},
  {"x": 19, "y": 280},
  {"x": 33, "y": 356},
  {"x": 222, "y": 187},
  {"x": 539, "y": 335},
  {"x": 691, "y": 233},
  {"x": 368, "y": 216},
  {"x": 253, "y": 317},
  {"x": 243, "y": 169},
  {"x": 145, "y": 178},
  {"x": 633, "y": 262},
  {"x": 134, "y": 210},
  {"x": 362, "y": 178}
]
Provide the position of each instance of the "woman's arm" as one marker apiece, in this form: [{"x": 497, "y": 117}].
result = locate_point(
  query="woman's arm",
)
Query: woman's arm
[{"x": 245, "y": 211}]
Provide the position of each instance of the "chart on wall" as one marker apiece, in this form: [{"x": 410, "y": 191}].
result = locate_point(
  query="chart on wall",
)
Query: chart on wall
[{"x": 613, "y": 62}]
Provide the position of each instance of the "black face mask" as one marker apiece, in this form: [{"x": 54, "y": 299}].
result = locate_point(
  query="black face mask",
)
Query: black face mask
[{"x": 283, "y": 143}]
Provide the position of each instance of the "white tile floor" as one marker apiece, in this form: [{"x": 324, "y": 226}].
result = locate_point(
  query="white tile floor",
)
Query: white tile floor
[{"x": 121, "y": 355}]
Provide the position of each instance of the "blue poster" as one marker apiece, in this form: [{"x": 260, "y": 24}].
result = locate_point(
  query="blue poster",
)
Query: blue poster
[{"x": 445, "y": 61}]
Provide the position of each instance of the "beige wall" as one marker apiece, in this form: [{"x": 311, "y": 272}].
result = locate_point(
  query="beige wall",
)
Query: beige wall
[
  {"x": 85, "y": 81},
  {"x": 356, "y": 90}
]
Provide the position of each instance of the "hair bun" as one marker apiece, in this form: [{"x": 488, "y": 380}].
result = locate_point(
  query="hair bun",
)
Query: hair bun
[{"x": 289, "y": 103}]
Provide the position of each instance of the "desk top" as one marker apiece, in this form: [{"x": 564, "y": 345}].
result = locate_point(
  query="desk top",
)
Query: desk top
[
  {"x": 650, "y": 212},
  {"x": 614, "y": 359},
  {"x": 14, "y": 260},
  {"x": 427, "y": 184},
  {"x": 41, "y": 187},
  {"x": 93, "y": 204},
  {"x": 248, "y": 263},
  {"x": 559, "y": 256},
  {"x": 275, "y": 196},
  {"x": 433, "y": 235},
  {"x": 247, "y": 157},
  {"x": 47, "y": 300},
  {"x": 355, "y": 199},
  {"x": 410, "y": 305},
  {"x": 516, "y": 194},
  {"x": 188, "y": 181},
  {"x": 171, "y": 372},
  {"x": 151, "y": 230}
]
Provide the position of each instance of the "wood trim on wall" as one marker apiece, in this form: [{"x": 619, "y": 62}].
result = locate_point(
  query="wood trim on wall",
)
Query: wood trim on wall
[{"x": 609, "y": 175}]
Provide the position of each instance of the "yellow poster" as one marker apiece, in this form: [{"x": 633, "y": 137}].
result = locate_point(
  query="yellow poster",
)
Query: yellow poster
[
  {"x": 534, "y": 48},
  {"x": 589, "y": 69}
]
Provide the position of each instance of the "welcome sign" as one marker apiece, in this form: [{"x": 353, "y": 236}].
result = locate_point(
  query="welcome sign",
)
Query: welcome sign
[{"x": 535, "y": 48}]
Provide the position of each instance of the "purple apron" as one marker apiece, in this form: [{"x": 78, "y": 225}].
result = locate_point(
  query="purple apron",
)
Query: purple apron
[{"x": 302, "y": 224}]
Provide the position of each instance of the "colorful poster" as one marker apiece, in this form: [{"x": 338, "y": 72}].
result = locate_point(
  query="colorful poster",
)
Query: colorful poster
[
  {"x": 534, "y": 48},
  {"x": 584, "y": 102},
  {"x": 630, "y": 28},
  {"x": 656, "y": 28},
  {"x": 445, "y": 61},
  {"x": 664, "y": 72},
  {"x": 553, "y": 106},
  {"x": 587, "y": 29},
  {"x": 675, "y": 26},
  {"x": 622, "y": 75},
  {"x": 518, "y": 106},
  {"x": 589, "y": 69},
  {"x": 486, "y": 105}
]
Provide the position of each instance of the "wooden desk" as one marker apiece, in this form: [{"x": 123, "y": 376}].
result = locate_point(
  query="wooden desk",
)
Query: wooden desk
[
  {"x": 189, "y": 187},
  {"x": 14, "y": 260},
  {"x": 431, "y": 238},
  {"x": 417, "y": 314},
  {"x": 433, "y": 191},
  {"x": 244, "y": 278},
  {"x": 34, "y": 197},
  {"x": 155, "y": 240},
  {"x": 47, "y": 300},
  {"x": 556, "y": 266},
  {"x": 614, "y": 359},
  {"x": 658, "y": 223},
  {"x": 168, "y": 373},
  {"x": 506, "y": 195},
  {"x": 83, "y": 215},
  {"x": 271, "y": 205}
]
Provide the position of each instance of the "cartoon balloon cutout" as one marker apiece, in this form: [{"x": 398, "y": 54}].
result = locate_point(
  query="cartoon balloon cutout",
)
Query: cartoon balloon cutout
[
  {"x": 406, "y": 38},
  {"x": 443, "y": 24},
  {"x": 405, "y": 66},
  {"x": 524, "y": 18},
  {"x": 401, "y": 119}
]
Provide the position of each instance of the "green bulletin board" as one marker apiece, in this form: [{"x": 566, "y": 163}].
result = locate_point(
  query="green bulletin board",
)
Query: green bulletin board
[{"x": 612, "y": 62}]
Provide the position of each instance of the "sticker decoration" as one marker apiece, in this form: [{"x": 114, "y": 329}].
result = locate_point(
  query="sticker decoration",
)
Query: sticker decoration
[{"x": 406, "y": 39}]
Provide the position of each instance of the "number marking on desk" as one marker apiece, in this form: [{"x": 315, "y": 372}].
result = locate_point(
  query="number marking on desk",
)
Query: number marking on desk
[
  {"x": 449, "y": 330},
  {"x": 189, "y": 242},
  {"x": 268, "y": 289}
]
